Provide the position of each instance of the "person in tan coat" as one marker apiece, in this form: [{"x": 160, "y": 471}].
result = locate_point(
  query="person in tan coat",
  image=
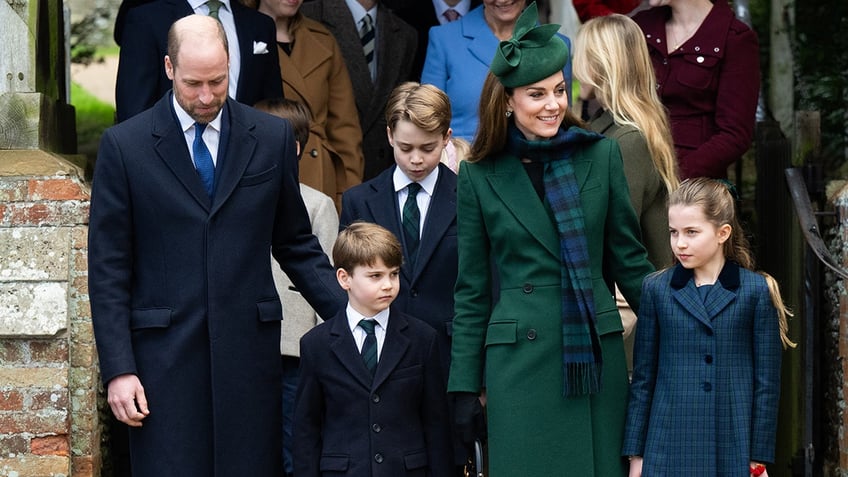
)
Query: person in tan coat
[{"x": 315, "y": 74}]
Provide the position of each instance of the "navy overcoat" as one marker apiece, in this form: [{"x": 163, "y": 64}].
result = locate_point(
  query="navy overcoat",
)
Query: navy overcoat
[{"x": 181, "y": 288}]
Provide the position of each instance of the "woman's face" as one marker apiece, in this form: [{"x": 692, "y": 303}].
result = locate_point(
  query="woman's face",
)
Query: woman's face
[
  {"x": 280, "y": 8},
  {"x": 504, "y": 11},
  {"x": 539, "y": 108}
]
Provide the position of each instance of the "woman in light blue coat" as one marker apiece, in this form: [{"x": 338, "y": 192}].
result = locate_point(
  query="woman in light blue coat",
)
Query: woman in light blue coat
[{"x": 459, "y": 54}]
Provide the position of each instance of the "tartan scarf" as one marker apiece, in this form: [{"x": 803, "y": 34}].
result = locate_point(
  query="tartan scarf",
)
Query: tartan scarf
[{"x": 581, "y": 350}]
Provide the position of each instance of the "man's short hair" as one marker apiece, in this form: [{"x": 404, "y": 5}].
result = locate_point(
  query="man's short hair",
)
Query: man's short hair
[{"x": 295, "y": 111}]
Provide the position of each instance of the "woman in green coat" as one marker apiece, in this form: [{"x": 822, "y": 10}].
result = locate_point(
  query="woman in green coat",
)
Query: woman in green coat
[{"x": 543, "y": 205}]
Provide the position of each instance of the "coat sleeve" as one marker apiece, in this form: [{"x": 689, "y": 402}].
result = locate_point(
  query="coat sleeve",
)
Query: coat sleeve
[
  {"x": 308, "y": 413},
  {"x": 434, "y": 414},
  {"x": 295, "y": 247},
  {"x": 645, "y": 354},
  {"x": 625, "y": 258},
  {"x": 435, "y": 62},
  {"x": 735, "y": 107},
  {"x": 110, "y": 259},
  {"x": 767, "y": 356},
  {"x": 473, "y": 290}
]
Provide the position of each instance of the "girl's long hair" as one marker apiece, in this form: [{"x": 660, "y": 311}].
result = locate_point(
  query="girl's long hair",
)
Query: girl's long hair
[{"x": 611, "y": 56}]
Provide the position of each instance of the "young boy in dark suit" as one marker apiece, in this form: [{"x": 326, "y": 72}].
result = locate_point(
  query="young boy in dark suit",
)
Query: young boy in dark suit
[{"x": 371, "y": 399}]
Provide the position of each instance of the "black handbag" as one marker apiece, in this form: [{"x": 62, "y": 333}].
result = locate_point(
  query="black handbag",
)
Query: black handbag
[{"x": 474, "y": 466}]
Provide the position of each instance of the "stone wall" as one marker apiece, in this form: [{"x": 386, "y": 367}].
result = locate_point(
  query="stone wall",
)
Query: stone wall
[{"x": 49, "y": 423}]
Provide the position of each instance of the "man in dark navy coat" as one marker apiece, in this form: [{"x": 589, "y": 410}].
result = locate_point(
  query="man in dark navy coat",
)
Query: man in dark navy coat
[
  {"x": 185, "y": 312},
  {"x": 142, "y": 32}
]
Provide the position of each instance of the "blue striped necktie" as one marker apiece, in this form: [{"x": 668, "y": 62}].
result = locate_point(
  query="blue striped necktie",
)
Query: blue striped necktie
[
  {"x": 203, "y": 159},
  {"x": 369, "y": 346}
]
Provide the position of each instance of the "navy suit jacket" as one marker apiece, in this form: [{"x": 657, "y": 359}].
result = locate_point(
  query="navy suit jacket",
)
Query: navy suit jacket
[
  {"x": 348, "y": 423},
  {"x": 706, "y": 377},
  {"x": 181, "y": 287},
  {"x": 426, "y": 291},
  {"x": 144, "y": 43}
]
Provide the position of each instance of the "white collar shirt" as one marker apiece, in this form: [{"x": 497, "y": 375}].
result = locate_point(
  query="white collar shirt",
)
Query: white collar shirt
[
  {"x": 211, "y": 135},
  {"x": 428, "y": 187},
  {"x": 382, "y": 319}
]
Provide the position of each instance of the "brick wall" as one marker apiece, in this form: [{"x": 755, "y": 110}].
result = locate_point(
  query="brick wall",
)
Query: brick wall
[{"x": 49, "y": 424}]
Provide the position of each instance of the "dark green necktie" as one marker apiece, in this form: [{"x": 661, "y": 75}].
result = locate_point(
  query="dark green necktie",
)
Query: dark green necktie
[
  {"x": 412, "y": 221},
  {"x": 369, "y": 346},
  {"x": 214, "y": 6}
]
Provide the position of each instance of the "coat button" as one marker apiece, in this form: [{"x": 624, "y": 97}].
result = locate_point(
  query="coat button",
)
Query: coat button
[
  {"x": 708, "y": 359},
  {"x": 413, "y": 293},
  {"x": 313, "y": 153},
  {"x": 531, "y": 334},
  {"x": 528, "y": 288},
  {"x": 376, "y": 427},
  {"x": 375, "y": 398},
  {"x": 699, "y": 59},
  {"x": 378, "y": 458},
  {"x": 708, "y": 387}
]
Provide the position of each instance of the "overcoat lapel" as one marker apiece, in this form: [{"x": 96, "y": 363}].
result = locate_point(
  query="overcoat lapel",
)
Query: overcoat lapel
[
  {"x": 394, "y": 347},
  {"x": 385, "y": 212},
  {"x": 173, "y": 151},
  {"x": 440, "y": 214},
  {"x": 722, "y": 294},
  {"x": 480, "y": 41},
  {"x": 343, "y": 346},
  {"x": 509, "y": 181},
  {"x": 239, "y": 144},
  {"x": 689, "y": 298}
]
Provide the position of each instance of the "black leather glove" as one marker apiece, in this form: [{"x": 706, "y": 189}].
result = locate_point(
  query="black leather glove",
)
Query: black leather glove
[{"x": 469, "y": 421}]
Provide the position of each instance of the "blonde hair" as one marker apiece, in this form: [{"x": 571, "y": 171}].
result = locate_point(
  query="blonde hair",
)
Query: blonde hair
[
  {"x": 611, "y": 56},
  {"x": 493, "y": 126},
  {"x": 363, "y": 243},
  {"x": 716, "y": 201},
  {"x": 424, "y": 105}
]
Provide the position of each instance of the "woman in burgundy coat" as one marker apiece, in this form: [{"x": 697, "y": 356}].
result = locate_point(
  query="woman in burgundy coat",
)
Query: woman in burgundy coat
[{"x": 708, "y": 76}]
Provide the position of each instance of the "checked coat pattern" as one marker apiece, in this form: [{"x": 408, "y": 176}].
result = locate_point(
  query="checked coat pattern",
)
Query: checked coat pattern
[{"x": 706, "y": 377}]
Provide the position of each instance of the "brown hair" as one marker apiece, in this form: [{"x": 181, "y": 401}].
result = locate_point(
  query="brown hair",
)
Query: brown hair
[
  {"x": 716, "y": 201},
  {"x": 362, "y": 243},
  {"x": 296, "y": 112},
  {"x": 424, "y": 105},
  {"x": 492, "y": 129}
]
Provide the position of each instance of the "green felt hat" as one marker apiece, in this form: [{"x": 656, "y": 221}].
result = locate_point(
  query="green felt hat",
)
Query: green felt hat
[{"x": 532, "y": 54}]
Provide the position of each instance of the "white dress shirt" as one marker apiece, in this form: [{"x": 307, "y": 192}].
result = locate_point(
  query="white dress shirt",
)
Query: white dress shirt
[
  {"x": 211, "y": 135},
  {"x": 441, "y": 7},
  {"x": 225, "y": 15},
  {"x": 382, "y": 319},
  {"x": 428, "y": 187}
]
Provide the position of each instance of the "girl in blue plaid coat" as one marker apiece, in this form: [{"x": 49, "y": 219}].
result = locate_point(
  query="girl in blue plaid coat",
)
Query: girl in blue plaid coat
[{"x": 706, "y": 378}]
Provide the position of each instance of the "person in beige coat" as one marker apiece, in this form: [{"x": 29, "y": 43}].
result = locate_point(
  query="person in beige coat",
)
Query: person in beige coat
[
  {"x": 315, "y": 74},
  {"x": 298, "y": 316}
]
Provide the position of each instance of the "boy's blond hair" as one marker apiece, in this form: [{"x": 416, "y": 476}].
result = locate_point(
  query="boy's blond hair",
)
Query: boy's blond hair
[{"x": 363, "y": 243}]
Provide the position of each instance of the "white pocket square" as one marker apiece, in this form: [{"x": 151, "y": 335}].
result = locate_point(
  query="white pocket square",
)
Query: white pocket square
[{"x": 260, "y": 48}]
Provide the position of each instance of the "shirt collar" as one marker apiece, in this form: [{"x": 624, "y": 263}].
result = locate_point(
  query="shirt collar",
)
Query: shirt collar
[
  {"x": 196, "y": 3},
  {"x": 187, "y": 122},
  {"x": 428, "y": 183},
  {"x": 354, "y": 317},
  {"x": 441, "y": 7},
  {"x": 359, "y": 12}
]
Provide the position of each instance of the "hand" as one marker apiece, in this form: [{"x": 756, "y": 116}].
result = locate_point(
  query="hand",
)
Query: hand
[
  {"x": 127, "y": 400},
  {"x": 635, "y": 466},
  {"x": 469, "y": 421}
]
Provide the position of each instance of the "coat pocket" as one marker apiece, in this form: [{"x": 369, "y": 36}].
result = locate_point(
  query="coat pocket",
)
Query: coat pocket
[
  {"x": 334, "y": 463},
  {"x": 150, "y": 318},
  {"x": 270, "y": 310},
  {"x": 259, "y": 178},
  {"x": 501, "y": 332},
  {"x": 415, "y": 460}
]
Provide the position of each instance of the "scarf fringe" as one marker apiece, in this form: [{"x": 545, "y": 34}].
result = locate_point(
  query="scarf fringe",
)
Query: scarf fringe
[{"x": 581, "y": 379}]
